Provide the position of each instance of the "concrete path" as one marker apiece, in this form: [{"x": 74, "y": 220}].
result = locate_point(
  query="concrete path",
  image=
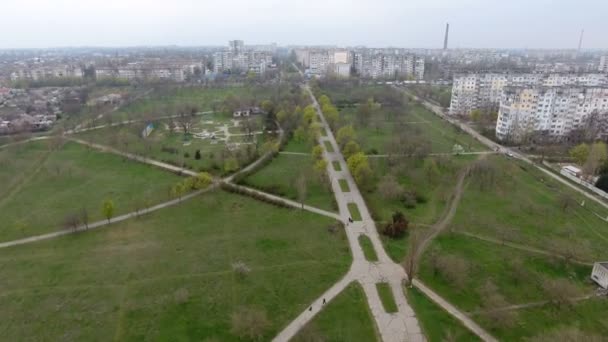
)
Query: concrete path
[
  {"x": 399, "y": 326},
  {"x": 292, "y": 203},
  {"x": 497, "y": 147},
  {"x": 135, "y": 157},
  {"x": 464, "y": 319}
]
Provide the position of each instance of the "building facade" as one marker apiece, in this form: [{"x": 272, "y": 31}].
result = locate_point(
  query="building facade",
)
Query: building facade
[
  {"x": 477, "y": 91},
  {"x": 554, "y": 111},
  {"x": 390, "y": 65},
  {"x": 238, "y": 58}
]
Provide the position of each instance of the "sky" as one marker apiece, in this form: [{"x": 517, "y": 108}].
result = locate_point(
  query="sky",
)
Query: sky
[{"x": 374, "y": 23}]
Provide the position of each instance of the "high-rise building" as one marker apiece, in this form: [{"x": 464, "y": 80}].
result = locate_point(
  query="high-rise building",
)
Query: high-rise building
[
  {"x": 553, "y": 111},
  {"x": 237, "y": 58},
  {"x": 603, "y": 64}
]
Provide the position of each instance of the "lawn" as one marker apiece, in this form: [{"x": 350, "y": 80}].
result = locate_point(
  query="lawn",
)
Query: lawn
[
  {"x": 281, "y": 176},
  {"x": 18, "y": 162},
  {"x": 386, "y": 297},
  {"x": 437, "y": 324},
  {"x": 336, "y": 165},
  {"x": 521, "y": 205},
  {"x": 429, "y": 191},
  {"x": 70, "y": 179},
  {"x": 176, "y": 274},
  {"x": 354, "y": 211},
  {"x": 329, "y": 147},
  {"x": 168, "y": 143},
  {"x": 346, "y": 318},
  {"x": 344, "y": 185},
  {"x": 298, "y": 146},
  {"x": 368, "y": 248},
  {"x": 459, "y": 267}
]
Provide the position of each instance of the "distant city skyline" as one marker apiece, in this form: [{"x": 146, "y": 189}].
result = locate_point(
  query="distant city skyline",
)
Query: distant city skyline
[{"x": 411, "y": 24}]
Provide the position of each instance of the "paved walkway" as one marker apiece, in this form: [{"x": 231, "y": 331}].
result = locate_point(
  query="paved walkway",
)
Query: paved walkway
[
  {"x": 292, "y": 203},
  {"x": 464, "y": 319},
  {"x": 497, "y": 147},
  {"x": 135, "y": 157},
  {"x": 399, "y": 326}
]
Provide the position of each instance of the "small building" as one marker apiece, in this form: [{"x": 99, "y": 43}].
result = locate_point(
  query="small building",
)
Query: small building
[
  {"x": 600, "y": 274},
  {"x": 239, "y": 113},
  {"x": 572, "y": 170}
]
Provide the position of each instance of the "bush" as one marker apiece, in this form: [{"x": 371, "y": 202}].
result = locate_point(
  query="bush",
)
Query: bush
[
  {"x": 171, "y": 150},
  {"x": 186, "y": 155},
  {"x": 409, "y": 199},
  {"x": 197, "y": 155}
]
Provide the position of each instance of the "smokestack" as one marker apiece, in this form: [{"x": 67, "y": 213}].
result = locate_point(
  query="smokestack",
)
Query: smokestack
[
  {"x": 580, "y": 41},
  {"x": 445, "y": 40}
]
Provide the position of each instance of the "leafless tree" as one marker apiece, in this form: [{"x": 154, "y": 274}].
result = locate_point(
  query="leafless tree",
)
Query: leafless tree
[
  {"x": 84, "y": 217},
  {"x": 71, "y": 221}
]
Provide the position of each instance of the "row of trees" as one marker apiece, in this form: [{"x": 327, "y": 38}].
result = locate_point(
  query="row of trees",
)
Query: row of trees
[{"x": 594, "y": 161}]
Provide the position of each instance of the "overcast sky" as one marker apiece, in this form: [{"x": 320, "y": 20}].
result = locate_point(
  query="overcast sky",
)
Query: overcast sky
[{"x": 401, "y": 23}]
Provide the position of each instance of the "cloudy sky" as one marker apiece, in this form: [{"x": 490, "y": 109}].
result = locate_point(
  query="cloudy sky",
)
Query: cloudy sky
[{"x": 401, "y": 23}]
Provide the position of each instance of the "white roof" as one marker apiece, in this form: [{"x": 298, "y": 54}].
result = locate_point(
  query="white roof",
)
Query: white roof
[{"x": 571, "y": 168}]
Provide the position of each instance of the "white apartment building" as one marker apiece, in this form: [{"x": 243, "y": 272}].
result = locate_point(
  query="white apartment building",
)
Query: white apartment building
[
  {"x": 474, "y": 91},
  {"x": 42, "y": 73},
  {"x": 603, "y": 67},
  {"x": 376, "y": 64},
  {"x": 238, "y": 58},
  {"x": 553, "y": 110}
]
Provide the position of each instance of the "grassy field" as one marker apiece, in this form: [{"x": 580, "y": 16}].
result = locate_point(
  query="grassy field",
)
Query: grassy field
[
  {"x": 437, "y": 324},
  {"x": 336, "y": 166},
  {"x": 346, "y": 318},
  {"x": 208, "y": 135},
  {"x": 329, "y": 147},
  {"x": 298, "y": 146},
  {"x": 167, "y": 102},
  {"x": 171, "y": 275},
  {"x": 368, "y": 248},
  {"x": 344, "y": 185},
  {"x": 18, "y": 162},
  {"x": 354, "y": 211},
  {"x": 430, "y": 190},
  {"x": 73, "y": 178},
  {"x": 280, "y": 177},
  {"x": 387, "y": 298},
  {"x": 523, "y": 206}
]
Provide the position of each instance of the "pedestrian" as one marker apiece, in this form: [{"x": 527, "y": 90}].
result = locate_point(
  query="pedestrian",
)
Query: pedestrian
[
  {"x": 324, "y": 301},
  {"x": 310, "y": 309}
]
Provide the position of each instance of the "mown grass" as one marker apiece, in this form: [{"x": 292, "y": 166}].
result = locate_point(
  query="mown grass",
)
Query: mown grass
[
  {"x": 328, "y": 147},
  {"x": 437, "y": 324},
  {"x": 346, "y": 318},
  {"x": 169, "y": 275},
  {"x": 336, "y": 166},
  {"x": 344, "y": 185},
  {"x": 524, "y": 206},
  {"x": 354, "y": 211},
  {"x": 368, "y": 248},
  {"x": 281, "y": 176},
  {"x": 386, "y": 297},
  {"x": 73, "y": 178}
]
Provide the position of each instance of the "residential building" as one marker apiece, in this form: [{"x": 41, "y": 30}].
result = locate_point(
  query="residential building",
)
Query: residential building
[
  {"x": 476, "y": 91},
  {"x": 372, "y": 63},
  {"x": 554, "y": 111},
  {"x": 603, "y": 64},
  {"x": 47, "y": 72},
  {"x": 238, "y": 58}
]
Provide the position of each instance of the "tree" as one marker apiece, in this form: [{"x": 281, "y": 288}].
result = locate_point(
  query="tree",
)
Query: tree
[
  {"x": 389, "y": 188},
  {"x": 231, "y": 165},
  {"x": 331, "y": 115},
  {"x": 84, "y": 217},
  {"x": 358, "y": 165},
  {"x": 178, "y": 189},
  {"x": 410, "y": 264},
  {"x": 397, "y": 227},
  {"x": 350, "y": 148},
  {"x": 597, "y": 156},
  {"x": 602, "y": 182},
  {"x": 365, "y": 112},
  {"x": 249, "y": 323},
  {"x": 107, "y": 209},
  {"x": 320, "y": 169},
  {"x": 561, "y": 291},
  {"x": 71, "y": 221},
  {"x": 202, "y": 180},
  {"x": 346, "y": 134},
  {"x": 302, "y": 189},
  {"x": 197, "y": 155},
  {"x": 580, "y": 153},
  {"x": 431, "y": 169},
  {"x": 317, "y": 152}
]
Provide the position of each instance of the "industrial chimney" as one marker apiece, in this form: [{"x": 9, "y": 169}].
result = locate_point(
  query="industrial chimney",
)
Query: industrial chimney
[{"x": 445, "y": 40}]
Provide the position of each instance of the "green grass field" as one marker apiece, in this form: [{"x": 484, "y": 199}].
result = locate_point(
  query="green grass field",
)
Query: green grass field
[
  {"x": 523, "y": 206},
  {"x": 329, "y": 147},
  {"x": 346, "y": 318},
  {"x": 368, "y": 248},
  {"x": 298, "y": 146},
  {"x": 73, "y": 178},
  {"x": 280, "y": 177},
  {"x": 336, "y": 166},
  {"x": 386, "y": 297},
  {"x": 18, "y": 162},
  {"x": 344, "y": 185},
  {"x": 170, "y": 275},
  {"x": 437, "y": 324},
  {"x": 354, "y": 211}
]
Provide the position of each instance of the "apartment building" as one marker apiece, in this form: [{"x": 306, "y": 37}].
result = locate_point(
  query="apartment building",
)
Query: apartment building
[
  {"x": 603, "y": 67},
  {"x": 475, "y": 91},
  {"x": 379, "y": 64},
  {"x": 238, "y": 58},
  {"x": 555, "y": 111},
  {"x": 177, "y": 72},
  {"x": 47, "y": 72}
]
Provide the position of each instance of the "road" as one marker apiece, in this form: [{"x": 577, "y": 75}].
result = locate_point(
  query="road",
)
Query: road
[
  {"x": 400, "y": 326},
  {"x": 497, "y": 147}
]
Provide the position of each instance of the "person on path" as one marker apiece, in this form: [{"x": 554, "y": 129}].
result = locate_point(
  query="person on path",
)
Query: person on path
[
  {"x": 310, "y": 309},
  {"x": 324, "y": 301}
]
